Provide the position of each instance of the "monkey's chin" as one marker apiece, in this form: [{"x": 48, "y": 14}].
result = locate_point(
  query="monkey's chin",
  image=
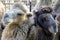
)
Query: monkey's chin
[{"x": 53, "y": 31}]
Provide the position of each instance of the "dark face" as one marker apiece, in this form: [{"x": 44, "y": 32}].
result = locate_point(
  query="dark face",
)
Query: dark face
[{"x": 47, "y": 22}]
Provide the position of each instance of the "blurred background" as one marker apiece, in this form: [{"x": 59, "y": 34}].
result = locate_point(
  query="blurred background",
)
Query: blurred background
[{"x": 8, "y": 3}]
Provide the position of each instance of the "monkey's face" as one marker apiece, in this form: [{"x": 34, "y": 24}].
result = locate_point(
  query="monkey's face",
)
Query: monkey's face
[
  {"x": 16, "y": 16},
  {"x": 47, "y": 22}
]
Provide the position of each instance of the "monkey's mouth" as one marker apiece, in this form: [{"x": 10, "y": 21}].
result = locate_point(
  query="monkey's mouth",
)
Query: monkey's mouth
[{"x": 53, "y": 30}]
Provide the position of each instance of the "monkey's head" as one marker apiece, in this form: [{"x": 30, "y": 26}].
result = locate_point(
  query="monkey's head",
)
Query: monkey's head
[
  {"x": 18, "y": 14},
  {"x": 46, "y": 20}
]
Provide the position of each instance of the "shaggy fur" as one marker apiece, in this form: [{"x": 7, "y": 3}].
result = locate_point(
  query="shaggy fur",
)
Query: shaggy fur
[
  {"x": 15, "y": 32},
  {"x": 17, "y": 23}
]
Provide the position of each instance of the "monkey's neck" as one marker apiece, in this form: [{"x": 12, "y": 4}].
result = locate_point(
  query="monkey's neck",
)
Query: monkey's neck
[{"x": 44, "y": 36}]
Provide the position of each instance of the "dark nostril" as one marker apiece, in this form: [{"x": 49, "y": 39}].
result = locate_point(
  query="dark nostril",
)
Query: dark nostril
[{"x": 29, "y": 15}]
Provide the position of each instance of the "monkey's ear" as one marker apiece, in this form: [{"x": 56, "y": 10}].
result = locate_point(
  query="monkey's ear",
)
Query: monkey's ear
[
  {"x": 29, "y": 15},
  {"x": 35, "y": 11}
]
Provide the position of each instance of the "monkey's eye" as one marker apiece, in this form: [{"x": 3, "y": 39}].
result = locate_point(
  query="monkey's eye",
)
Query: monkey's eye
[{"x": 19, "y": 14}]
